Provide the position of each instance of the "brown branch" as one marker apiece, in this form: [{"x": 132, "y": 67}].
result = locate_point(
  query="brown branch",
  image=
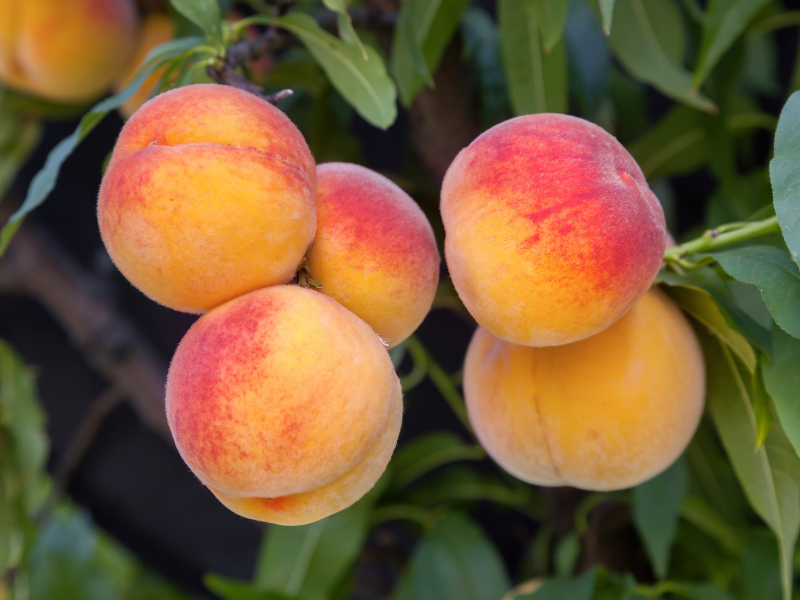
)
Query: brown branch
[{"x": 109, "y": 342}]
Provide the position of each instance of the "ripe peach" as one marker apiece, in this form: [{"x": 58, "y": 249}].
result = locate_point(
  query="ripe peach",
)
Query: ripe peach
[
  {"x": 209, "y": 194},
  {"x": 374, "y": 251},
  {"x": 284, "y": 404},
  {"x": 604, "y": 413},
  {"x": 156, "y": 29},
  {"x": 551, "y": 231},
  {"x": 64, "y": 50}
]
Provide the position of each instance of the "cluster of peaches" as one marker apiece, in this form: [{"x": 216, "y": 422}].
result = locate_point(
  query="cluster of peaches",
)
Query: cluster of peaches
[{"x": 282, "y": 398}]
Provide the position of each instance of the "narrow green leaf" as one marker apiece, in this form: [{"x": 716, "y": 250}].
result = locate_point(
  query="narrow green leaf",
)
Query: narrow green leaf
[
  {"x": 761, "y": 407},
  {"x": 203, "y": 13},
  {"x": 775, "y": 274},
  {"x": 770, "y": 476},
  {"x": 656, "y": 511},
  {"x": 425, "y": 453},
  {"x": 363, "y": 83},
  {"x": 457, "y": 484},
  {"x": 231, "y": 589},
  {"x": 537, "y": 80},
  {"x": 456, "y": 561},
  {"x": 782, "y": 380},
  {"x": 724, "y": 22},
  {"x": 607, "y": 12},
  {"x": 697, "y": 512},
  {"x": 551, "y": 15},
  {"x": 482, "y": 46},
  {"x": 579, "y": 588},
  {"x": 784, "y": 171},
  {"x": 346, "y": 30},
  {"x": 566, "y": 554},
  {"x": 760, "y": 570},
  {"x": 424, "y": 30},
  {"x": 45, "y": 180},
  {"x": 648, "y": 40}
]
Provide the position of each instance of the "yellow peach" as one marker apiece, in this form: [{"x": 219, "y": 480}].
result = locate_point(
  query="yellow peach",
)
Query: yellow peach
[
  {"x": 65, "y": 50},
  {"x": 209, "y": 194},
  {"x": 156, "y": 29},
  {"x": 552, "y": 233},
  {"x": 284, "y": 404},
  {"x": 604, "y": 413},
  {"x": 374, "y": 250}
]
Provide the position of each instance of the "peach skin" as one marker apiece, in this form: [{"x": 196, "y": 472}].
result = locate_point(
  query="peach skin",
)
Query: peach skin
[
  {"x": 552, "y": 233},
  {"x": 156, "y": 29},
  {"x": 604, "y": 413},
  {"x": 284, "y": 404},
  {"x": 65, "y": 50},
  {"x": 209, "y": 195},
  {"x": 374, "y": 251}
]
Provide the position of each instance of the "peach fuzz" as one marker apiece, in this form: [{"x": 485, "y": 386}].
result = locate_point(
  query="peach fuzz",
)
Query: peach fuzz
[
  {"x": 552, "y": 233},
  {"x": 65, "y": 50},
  {"x": 374, "y": 250},
  {"x": 604, "y": 413},
  {"x": 209, "y": 195},
  {"x": 284, "y": 404},
  {"x": 156, "y": 29}
]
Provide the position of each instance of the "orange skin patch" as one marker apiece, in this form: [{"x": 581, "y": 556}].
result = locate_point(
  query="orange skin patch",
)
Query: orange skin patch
[
  {"x": 65, "y": 50},
  {"x": 282, "y": 401},
  {"x": 209, "y": 195},
  {"x": 374, "y": 250},
  {"x": 604, "y": 413},
  {"x": 552, "y": 231}
]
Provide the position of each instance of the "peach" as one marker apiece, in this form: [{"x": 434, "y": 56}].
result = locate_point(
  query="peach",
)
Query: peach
[
  {"x": 604, "y": 413},
  {"x": 65, "y": 50},
  {"x": 209, "y": 194},
  {"x": 374, "y": 250},
  {"x": 156, "y": 29},
  {"x": 284, "y": 404},
  {"x": 552, "y": 233}
]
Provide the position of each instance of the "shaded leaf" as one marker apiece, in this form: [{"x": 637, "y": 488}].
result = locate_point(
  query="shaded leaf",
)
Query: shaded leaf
[
  {"x": 775, "y": 274},
  {"x": 460, "y": 484},
  {"x": 762, "y": 410},
  {"x": 656, "y": 511},
  {"x": 782, "y": 379},
  {"x": 456, "y": 561},
  {"x": 648, "y": 40},
  {"x": 551, "y": 16},
  {"x": 589, "y": 57},
  {"x": 537, "y": 80},
  {"x": 607, "y": 12},
  {"x": 424, "y": 29},
  {"x": 566, "y": 554},
  {"x": 724, "y": 22},
  {"x": 770, "y": 476},
  {"x": 578, "y": 588},
  {"x": 427, "y": 452},
  {"x": 784, "y": 171},
  {"x": 230, "y": 589},
  {"x": 45, "y": 180},
  {"x": 203, "y": 13},
  {"x": 760, "y": 570},
  {"x": 697, "y": 512}
]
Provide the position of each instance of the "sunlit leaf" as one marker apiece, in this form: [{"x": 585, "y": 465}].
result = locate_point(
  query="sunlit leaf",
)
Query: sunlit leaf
[
  {"x": 724, "y": 22},
  {"x": 648, "y": 39},
  {"x": 784, "y": 171},
  {"x": 537, "y": 80},
  {"x": 456, "y": 561},
  {"x": 656, "y": 511},
  {"x": 203, "y": 13},
  {"x": 424, "y": 29},
  {"x": 346, "y": 30}
]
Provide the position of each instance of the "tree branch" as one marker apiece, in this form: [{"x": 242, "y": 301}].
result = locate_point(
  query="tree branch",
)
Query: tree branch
[{"x": 107, "y": 339}]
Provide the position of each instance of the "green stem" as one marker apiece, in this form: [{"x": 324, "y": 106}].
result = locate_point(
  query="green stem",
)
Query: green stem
[
  {"x": 441, "y": 380},
  {"x": 726, "y": 235}
]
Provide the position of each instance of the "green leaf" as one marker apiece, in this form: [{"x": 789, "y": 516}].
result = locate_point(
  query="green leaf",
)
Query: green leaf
[
  {"x": 782, "y": 379},
  {"x": 537, "y": 80},
  {"x": 724, "y": 22},
  {"x": 579, "y": 588},
  {"x": 424, "y": 29},
  {"x": 656, "y": 511},
  {"x": 702, "y": 305},
  {"x": 607, "y": 12},
  {"x": 362, "y": 82},
  {"x": 24, "y": 136},
  {"x": 425, "y": 453},
  {"x": 310, "y": 560},
  {"x": 760, "y": 570},
  {"x": 45, "y": 180},
  {"x": 589, "y": 58},
  {"x": 648, "y": 40},
  {"x": 460, "y": 484},
  {"x": 697, "y": 512},
  {"x": 203, "y": 13},
  {"x": 482, "y": 47},
  {"x": 566, "y": 554},
  {"x": 775, "y": 274},
  {"x": 784, "y": 171},
  {"x": 770, "y": 476},
  {"x": 346, "y": 30},
  {"x": 456, "y": 561},
  {"x": 551, "y": 15},
  {"x": 230, "y": 589}
]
